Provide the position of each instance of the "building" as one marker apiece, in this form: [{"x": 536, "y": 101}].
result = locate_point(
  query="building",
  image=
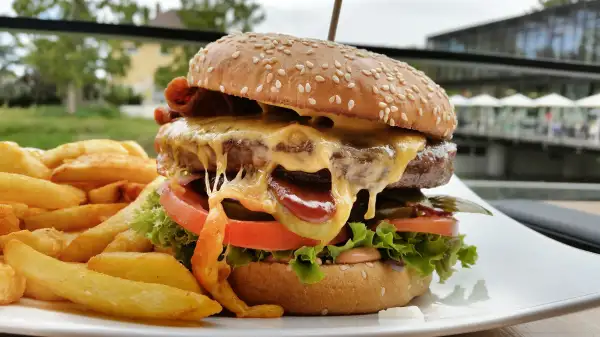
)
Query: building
[
  {"x": 147, "y": 57},
  {"x": 569, "y": 33}
]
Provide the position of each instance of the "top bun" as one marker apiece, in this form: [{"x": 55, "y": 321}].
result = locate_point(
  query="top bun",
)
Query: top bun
[{"x": 326, "y": 77}]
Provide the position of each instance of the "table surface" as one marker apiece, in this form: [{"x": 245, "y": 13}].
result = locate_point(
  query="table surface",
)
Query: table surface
[{"x": 581, "y": 324}]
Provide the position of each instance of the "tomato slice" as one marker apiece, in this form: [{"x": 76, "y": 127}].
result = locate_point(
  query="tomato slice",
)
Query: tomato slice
[
  {"x": 188, "y": 209},
  {"x": 445, "y": 226}
]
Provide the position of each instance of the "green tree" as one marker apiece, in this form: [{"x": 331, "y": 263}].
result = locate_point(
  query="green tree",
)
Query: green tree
[
  {"x": 213, "y": 15},
  {"x": 72, "y": 61},
  {"x": 552, "y": 3}
]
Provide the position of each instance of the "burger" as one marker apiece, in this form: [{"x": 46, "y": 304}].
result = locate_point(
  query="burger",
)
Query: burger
[{"x": 294, "y": 169}]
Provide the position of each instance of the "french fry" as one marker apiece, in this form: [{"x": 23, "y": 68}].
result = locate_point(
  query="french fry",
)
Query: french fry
[
  {"x": 47, "y": 241},
  {"x": 37, "y": 153},
  {"x": 86, "y": 186},
  {"x": 14, "y": 159},
  {"x": 38, "y": 192},
  {"x": 129, "y": 241},
  {"x": 165, "y": 250},
  {"x": 12, "y": 284},
  {"x": 108, "y": 294},
  {"x": 73, "y": 218},
  {"x": 8, "y": 220},
  {"x": 106, "y": 168},
  {"x": 134, "y": 149},
  {"x": 107, "y": 194},
  {"x": 94, "y": 240},
  {"x": 23, "y": 211},
  {"x": 54, "y": 157},
  {"x": 146, "y": 267},
  {"x": 38, "y": 291}
]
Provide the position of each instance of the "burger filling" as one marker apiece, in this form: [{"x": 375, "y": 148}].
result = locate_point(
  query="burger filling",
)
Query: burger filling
[{"x": 251, "y": 182}]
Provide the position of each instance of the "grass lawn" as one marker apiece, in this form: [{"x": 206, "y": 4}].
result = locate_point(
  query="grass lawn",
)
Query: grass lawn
[{"x": 47, "y": 127}]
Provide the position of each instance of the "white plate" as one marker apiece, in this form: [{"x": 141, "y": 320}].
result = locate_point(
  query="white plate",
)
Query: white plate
[{"x": 521, "y": 276}]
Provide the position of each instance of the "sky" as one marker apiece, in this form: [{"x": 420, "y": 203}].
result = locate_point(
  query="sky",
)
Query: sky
[{"x": 399, "y": 23}]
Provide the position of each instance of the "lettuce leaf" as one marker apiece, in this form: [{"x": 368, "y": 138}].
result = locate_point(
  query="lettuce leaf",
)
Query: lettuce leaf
[
  {"x": 152, "y": 221},
  {"x": 305, "y": 264}
]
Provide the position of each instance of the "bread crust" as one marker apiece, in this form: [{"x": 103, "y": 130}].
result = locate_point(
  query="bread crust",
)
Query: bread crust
[
  {"x": 346, "y": 289},
  {"x": 323, "y": 76}
]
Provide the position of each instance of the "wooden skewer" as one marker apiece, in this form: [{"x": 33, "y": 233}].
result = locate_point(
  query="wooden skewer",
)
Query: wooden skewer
[{"x": 335, "y": 15}]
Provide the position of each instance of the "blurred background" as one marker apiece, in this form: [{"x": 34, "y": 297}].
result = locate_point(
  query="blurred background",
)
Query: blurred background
[{"x": 524, "y": 75}]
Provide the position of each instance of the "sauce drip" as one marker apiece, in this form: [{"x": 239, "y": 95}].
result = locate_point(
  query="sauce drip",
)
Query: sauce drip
[{"x": 306, "y": 204}]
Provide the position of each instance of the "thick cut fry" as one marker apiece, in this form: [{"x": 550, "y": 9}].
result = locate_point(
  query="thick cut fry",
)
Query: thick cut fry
[
  {"x": 14, "y": 159},
  {"x": 107, "y": 194},
  {"x": 47, "y": 241},
  {"x": 23, "y": 211},
  {"x": 35, "y": 152},
  {"x": 94, "y": 240},
  {"x": 108, "y": 294},
  {"x": 8, "y": 220},
  {"x": 129, "y": 241},
  {"x": 54, "y": 157},
  {"x": 38, "y": 291},
  {"x": 106, "y": 168},
  {"x": 12, "y": 284},
  {"x": 73, "y": 218},
  {"x": 134, "y": 149},
  {"x": 146, "y": 267},
  {"x": 38, "y": 192},
  {"x": 86, "y": 185}
]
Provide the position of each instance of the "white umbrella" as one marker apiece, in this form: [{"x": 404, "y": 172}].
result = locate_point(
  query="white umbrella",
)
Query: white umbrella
[
  {"x": 589, "y": 102},
  {"x": 517, "y": 100},
  {"x": 459, "y": 100},
  {"x": 484, "y": 100},
  {"x": 555, "y": 101}
]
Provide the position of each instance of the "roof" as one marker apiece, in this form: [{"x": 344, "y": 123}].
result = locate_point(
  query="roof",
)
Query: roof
[
  {"x": 168, "y": 19},
  {"x": 531, "y": 15}
]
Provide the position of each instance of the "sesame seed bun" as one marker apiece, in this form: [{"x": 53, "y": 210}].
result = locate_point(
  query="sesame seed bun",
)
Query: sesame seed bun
[
  {"x": 325, "y": 77},
  {"x": 346, "y": 289}
]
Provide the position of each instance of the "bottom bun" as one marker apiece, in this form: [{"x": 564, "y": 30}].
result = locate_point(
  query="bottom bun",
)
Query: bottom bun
[{"x": 346, "y": 289}]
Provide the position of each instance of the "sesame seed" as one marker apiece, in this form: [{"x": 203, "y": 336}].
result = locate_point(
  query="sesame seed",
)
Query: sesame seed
[
  {"x": 387, "y": 111},
  {"x": 420, "y": 111},
  {"x": 269, "y": 77},
  {"x": 369, "y": 264},
  {"x": 339, "y": 72},
  {"x": 335, "y": 79},
  {"x": 415, "y": 88},
  {"x": 375, "y": 90},
  {"x": 436, "y": 110},
  {"x": 348, "y": 68},
  {"x": 331, "y": 99},
  {"x": 255, "y": 59},
  {"x": 324, "y": 312},
  {"x": 380, "y": 114},
  {"x": 300, "y": 88},
  {"x": 382, "y": 291},
  {"x": 236, "y": 54},
  {"x": 385, "y": 87},
  {"x": 199, "y": 81},
  {"x": 430, "y": 88},
  {"x": 389, "y": 99},
  {"x": 310, "y": 51},
  {"x": 401, "y": 97},
  {"x": 312, "y": 101},
  {"x": 210, "y": 69},
  {"x": 386, "y": 116},
  {"x": 404, "y": 117},
  {"x": 338, "y": 99},
  {"x": 275, "y": 42},
  {"x": 280, "y": 48},
  {"x": 310, "y": 65},
  {"x": 437, "y": 121},
  {"x": 382, "y": 105},
  {"x": 344, "y": 267},
  {"x": 373, "y": 71},
  {"x": 325, "y": 65},
  {"x": 445, "y": 133},
  {"x": 319, "y": 78},
  {"x": 392, "y": 122},
  {"x": 278, "y": 84},
  {"x": 366, "y": 72},
  {"x": 268, "y": 67},
  {"x": 307, "y": 87},
  {"x": 306, "y": 43},
  {"x": 258, "y": 45},
  {"x": 337, "y": 64},
  {"x": 244, "y": 90},
  {"x": 300, "y": 66},
  {"x": 314, "y": 45},
  {"x": 394, "y": 108},
  {"x": 376, "y": 75},
  {"x": 274, "y": 89},
  {"x": 423, "y": 100},
  {"x": 350, "y": 104},
  {"x": 222, "y": 88},
  {"x": 411, "y": 97},
  {"x": 364, "y": 274},
  {"x": 270, "y": 51},
  {"x": 287, "y": 52},
  {"x": 262, "y": 55},
  {"x": 393, "y": 89},
  {"x": 351, "y": 85},
  {"x": 197, "y": 68},
  {"x": 281, "y": 72},
  {"x": 347, "y": 77}
]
